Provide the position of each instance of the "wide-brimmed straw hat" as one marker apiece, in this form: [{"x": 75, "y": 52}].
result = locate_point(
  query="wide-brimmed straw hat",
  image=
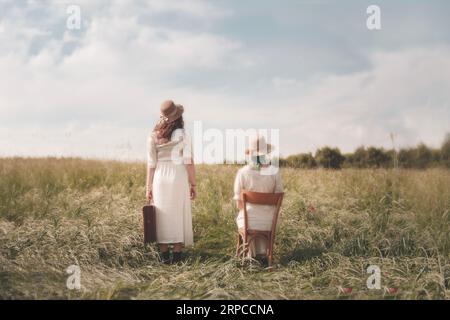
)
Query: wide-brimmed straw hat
[
  {"x": 171, "y": 111},
  {"x": 258, "y": 146}
]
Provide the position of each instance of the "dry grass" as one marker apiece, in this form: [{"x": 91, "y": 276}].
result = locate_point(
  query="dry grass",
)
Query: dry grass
[{"x": 58, "y": 212}]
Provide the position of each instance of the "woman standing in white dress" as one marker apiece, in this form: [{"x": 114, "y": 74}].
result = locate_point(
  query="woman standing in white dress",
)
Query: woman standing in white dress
[{"x": 171, "y": 181}]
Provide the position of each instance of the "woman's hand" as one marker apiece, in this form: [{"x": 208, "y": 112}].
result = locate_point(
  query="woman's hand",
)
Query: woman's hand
[
  {"x": 149, "y": 184},
  {"x": 193, "y": 192},
  {"x": 191, "y": 178},
  {"x": 149, "y": 195}
]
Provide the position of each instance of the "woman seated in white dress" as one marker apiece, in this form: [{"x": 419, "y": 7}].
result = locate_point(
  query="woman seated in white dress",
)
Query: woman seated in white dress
[
  {"x": 258, "y": 176},
  {"x": 171, "y": 181}
]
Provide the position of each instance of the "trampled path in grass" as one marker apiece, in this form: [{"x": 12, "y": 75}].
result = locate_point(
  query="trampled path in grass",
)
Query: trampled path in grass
[{"x": 334, "y": 224}]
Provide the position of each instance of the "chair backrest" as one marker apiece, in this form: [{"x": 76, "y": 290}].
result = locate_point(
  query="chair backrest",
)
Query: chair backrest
[
  {"x": 261, "y": 197},
  {"x": 273, "y": 199}
]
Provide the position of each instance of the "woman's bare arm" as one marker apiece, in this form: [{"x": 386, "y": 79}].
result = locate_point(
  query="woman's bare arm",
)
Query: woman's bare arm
[
  {"x": 190, "y": 168},
  {"x": 150, "y": 175}
]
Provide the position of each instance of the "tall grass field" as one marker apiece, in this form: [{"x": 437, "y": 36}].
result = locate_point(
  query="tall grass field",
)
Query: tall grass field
[{"x": 334, "y": 224}]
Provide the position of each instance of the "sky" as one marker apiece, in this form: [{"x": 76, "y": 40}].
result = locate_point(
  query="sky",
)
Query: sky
[{"x": 311, "y": 69}]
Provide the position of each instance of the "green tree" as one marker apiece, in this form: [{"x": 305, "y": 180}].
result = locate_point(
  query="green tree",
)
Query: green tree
[
  {"x": 406, "y": 157},
  {"x": 419, "y": 157},
  {"x": 423, "y": 156},
  {"x": 359, "y": 158},
  {"x": 303, "y": 160},
  {"x": 445, "y": 151},
  {"x": 328, "y": 157},
  {"x": 377, "y": 158}
]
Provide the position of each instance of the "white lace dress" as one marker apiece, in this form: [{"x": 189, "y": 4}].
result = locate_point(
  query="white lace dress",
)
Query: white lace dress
[{"x": 171, "y": 188}]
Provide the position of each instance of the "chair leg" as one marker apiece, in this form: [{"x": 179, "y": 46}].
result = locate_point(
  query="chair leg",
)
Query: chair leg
[
  {"x": 239, "y": 245},
  {"x": 270, "y": 262},
  {"x": 246, "y": 244},
  {"x": 270, "y": 256}
]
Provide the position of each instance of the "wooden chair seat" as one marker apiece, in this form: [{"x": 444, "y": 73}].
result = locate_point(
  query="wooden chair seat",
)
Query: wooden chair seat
[{"x": 265, "y": 233}]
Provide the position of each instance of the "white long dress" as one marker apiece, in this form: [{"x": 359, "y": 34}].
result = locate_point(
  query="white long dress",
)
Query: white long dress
[{"x": 171, "y": 188}]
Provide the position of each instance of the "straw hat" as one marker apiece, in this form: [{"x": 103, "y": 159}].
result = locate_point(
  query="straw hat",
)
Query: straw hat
[
  {"x": 258, "y": 146},
  {"x": 171, "y": 111}
]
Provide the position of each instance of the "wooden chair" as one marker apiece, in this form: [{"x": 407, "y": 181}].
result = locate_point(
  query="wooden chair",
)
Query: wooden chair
[{"x": 246, "y": 235}]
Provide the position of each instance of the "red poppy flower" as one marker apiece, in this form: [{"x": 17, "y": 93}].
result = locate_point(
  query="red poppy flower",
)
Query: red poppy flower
[
  {"x": 392, "y": 290},
  {"x": 347, "y": 290}
]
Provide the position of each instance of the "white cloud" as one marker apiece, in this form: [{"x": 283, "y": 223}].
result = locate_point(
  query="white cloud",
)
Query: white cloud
[
  {"x": 101, "y": 98},
  {"x": 198, "y": 8},
  {"x": 118, "y": 63},
  {"x": 404, "y": 92}
]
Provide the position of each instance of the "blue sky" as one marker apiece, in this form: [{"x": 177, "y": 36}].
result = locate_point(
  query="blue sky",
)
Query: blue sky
[{"x": 309, "y": 68}]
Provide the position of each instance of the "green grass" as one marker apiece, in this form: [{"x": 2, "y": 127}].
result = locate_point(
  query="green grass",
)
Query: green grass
[{"x": 334, "y": 224}]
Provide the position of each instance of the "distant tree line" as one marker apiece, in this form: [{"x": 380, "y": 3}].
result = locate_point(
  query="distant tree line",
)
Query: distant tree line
[{"x": 420, "y": 157}]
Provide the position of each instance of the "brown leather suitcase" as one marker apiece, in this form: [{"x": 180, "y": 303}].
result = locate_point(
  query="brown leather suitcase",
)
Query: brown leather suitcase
[{"x": 149, "y": 215}]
